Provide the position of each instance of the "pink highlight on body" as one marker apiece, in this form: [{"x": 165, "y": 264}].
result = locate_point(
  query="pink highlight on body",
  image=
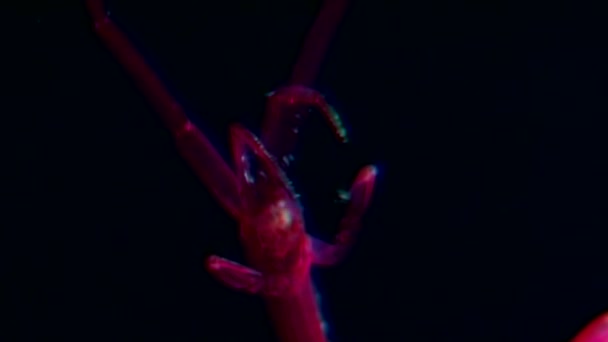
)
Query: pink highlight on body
[{"x": 596, "y": 331}]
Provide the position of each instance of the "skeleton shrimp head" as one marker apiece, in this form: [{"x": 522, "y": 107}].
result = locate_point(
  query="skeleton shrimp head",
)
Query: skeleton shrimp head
[{"x": 272, "y": 227}]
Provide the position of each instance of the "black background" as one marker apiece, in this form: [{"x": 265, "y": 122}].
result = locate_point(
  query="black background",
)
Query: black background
[{"x": 487, "y": 122}]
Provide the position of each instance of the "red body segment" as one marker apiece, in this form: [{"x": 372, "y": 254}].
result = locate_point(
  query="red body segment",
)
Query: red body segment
[{"x": 596, "y": 331}]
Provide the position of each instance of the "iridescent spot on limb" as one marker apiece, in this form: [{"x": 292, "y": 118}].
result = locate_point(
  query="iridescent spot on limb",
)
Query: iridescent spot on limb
[{"x": 287, "y": 110}]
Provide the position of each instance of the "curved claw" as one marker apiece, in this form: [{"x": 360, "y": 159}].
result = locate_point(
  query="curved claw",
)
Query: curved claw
[
  {"x": 360, "y": 194},
  {"x": 326, "y": 254},
  {"x": 287, "y": 109},
  {"x": 259, "y": 183}
]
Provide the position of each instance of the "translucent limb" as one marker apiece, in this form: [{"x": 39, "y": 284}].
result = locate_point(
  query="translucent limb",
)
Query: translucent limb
[
  {"x": 317, "y": 42},
  {"x": 286, "y": 111},
  {"x": 191, "y": 142}
]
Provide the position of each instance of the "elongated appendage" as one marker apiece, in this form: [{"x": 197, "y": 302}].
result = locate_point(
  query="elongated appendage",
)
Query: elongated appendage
[
  {"x": 147, "y": 81},
  {"x": 287, "y": 109},
  {"x": 245, "y": 279},
  {"x": 193, "y": 145},
  {"x": 596, "y": 331},
  {"x": 317, "y": 42},
  {"x": 361, "y": 192},
  {"x": 235, "y": 275}
]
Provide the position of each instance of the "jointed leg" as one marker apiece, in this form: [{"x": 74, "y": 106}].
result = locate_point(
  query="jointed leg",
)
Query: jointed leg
[
  {"x": 317, "y": 41},
  {"x": 148, "y": 82},
  {"x": 193, "y": 145},
  {"x": 242, "y": 278},
  {"x": 288, "y": 107},
  {"x": 286, "y": 111},
  {"x": 234, "y": 275}
]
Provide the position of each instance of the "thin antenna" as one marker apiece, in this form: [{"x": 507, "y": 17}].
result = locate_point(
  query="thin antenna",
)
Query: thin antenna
[{"x": 317, "y": 42}]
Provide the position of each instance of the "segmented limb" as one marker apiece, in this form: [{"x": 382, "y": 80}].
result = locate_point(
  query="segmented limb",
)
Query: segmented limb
[
  {"x": 242, "y": 278},
  {"x": 234, "y": 275},
  {"x": 192, "y": 144},
  {"x": 286, "y": 111},
  {"x": 317, "y": 42},
  {"x": 326, "y": 254},
  {"x": 288, "y": 107}
]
